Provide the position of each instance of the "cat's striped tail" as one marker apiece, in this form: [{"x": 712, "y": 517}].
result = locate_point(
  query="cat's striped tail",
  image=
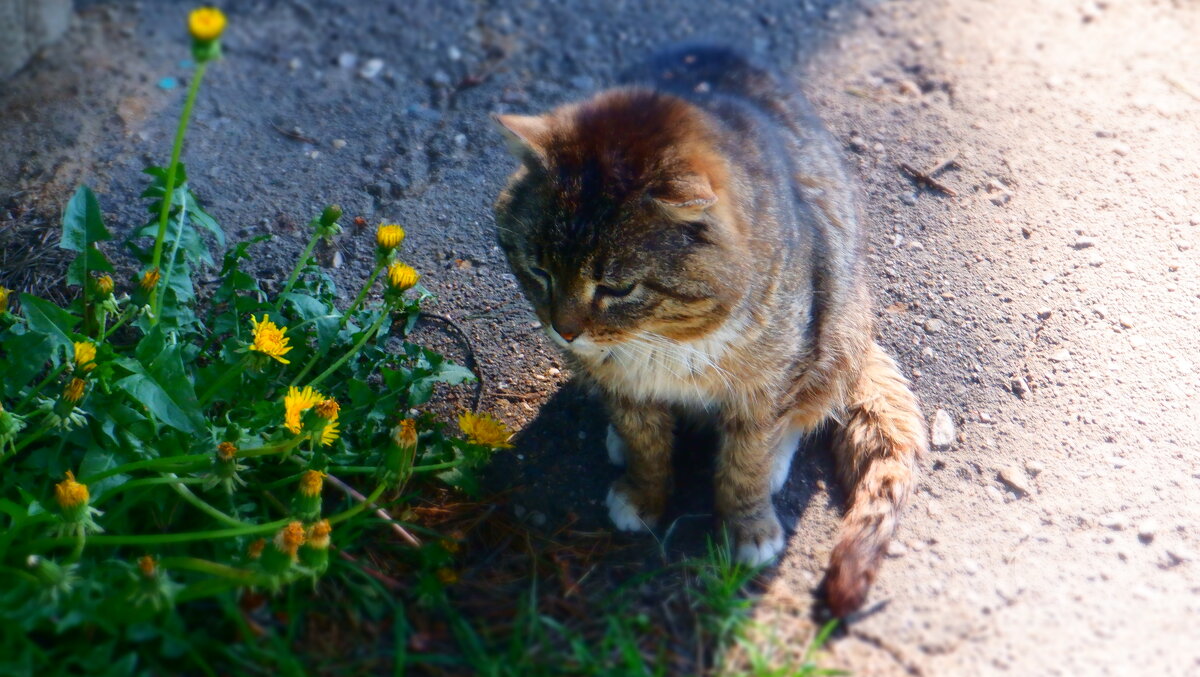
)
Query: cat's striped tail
[{"x": 876, "y": 447}]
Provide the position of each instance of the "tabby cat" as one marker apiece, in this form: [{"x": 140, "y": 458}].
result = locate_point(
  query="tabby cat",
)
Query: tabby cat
[{"x": 690, "y": 240}]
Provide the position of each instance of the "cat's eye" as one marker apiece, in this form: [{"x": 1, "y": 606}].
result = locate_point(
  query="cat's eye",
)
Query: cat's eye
[
  {"x": 606, "y": 291},
  {"x": 541, "y": 275}
]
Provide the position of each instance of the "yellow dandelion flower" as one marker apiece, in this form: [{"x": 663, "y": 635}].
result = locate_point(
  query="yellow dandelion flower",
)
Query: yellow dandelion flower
[
  {"x": 150, "y": 279},
  {"x": 206, "y": 23},
  {"x": 311, "y": 483},
  {"x": 74, "y": 390},
  {"x": 402, "y": 276},
  {"x": 256, "y": 548},
  {"x": 269, "y": 339},
  {"x": 330, "y": 432},
  {"x": 484, "y": 430},
  {"x": 148, "y": 566},
  {"x": 318, "y": 535},
  {"x": 405, "y": 434},
  {"x": 226, "y": 451},
  {"x": 4, "y": 291},
  {"x": 69, "y": 493},
  {"x": 290, "y": 538},
  {"x": 104, "y": 285},
  {"x": 328, "y": 409},
  {"x": 389, "y": 236},
  {"x": 85, "y": 355},
  {"x": 295, "y": 403}
]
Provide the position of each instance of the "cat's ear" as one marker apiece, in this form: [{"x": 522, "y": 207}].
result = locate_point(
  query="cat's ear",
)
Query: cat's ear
[
  {"x": 526, "y": 135},
  {"x": 687, "y": 196}
]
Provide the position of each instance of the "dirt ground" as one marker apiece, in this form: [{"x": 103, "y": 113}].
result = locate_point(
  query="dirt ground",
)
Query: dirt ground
[{"x": 1046, "y": 301}]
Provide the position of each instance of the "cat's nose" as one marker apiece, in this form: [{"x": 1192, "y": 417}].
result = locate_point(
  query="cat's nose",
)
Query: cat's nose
[{"x": 568, "y": 336}]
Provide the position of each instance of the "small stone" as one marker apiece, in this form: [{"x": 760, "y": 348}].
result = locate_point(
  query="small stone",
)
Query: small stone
[
  {"x": 1179, "y": 554},
  {"x": 1015, "y": 479},
  {"x": 371, "y": 68},
  {"x": 1126, "y": 322},
  {"x": 583, "y": 82},
  {"x": 537, "y": 518},
  {"x": 909, "y": 199},
  {"x": 1061, "y": 355},
  {"x": 519, "y": 511},
  {"x": 1019, "y": 386},
  {"x": 1085, "y": 242},
  {"x": 1146, "y": 531},
  {"x": 1137, "y": 341},
  {"x": 553, "y": 371},
  {"x": 294, "y": 64},
  {"x": 347, "y": 60},
  {"x": 941, "y": 433},
  {"x": 1034, "y": 468},
  {"x": 1121, "y": 149},
  {"x": 338, "y": 144},
  {"x": 1114, "y": 520},
  {"x": 896, "y": 549},
  {"x": 454, "y": 53},
  {"x": 970, "y": 566},
  {"x": 934, "y": 325},
  {"x": 1001, "y": 199},
  {"x": 1044, "y": 313},
  {"x": 985, "y": 417}
]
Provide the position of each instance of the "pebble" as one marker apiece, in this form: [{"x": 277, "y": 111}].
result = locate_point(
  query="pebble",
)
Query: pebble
[
  {"x": 584, "y": 82},
  {"x": 896, "y": 549},
  {"x": 909, "y": 199},
  {"x": 970, "y": 566},
  {"x": 553, "y": 371},
  {"x": 347, "y": 60},
  {"x": 1015, "y": 479},
  {"x": 1126, "y": 323},
  {"x": 1085, "y": 242},
  {"x": 941, "y": 433},
  {"x": 1121, "y": 149},
  {"x": 1034, "y": 468},
  {"x": 454, "y": 53},
  {"x": 338, "y": 144},
  {"x": 371, "y": 68},
  {"x": 934, "y": 325},
  {"x": 1114, "y": 520},
  {"x": 1019, "y": 386},
  {"x": 1146, "y": 531},
  {"x": 1061, "y": 355}
]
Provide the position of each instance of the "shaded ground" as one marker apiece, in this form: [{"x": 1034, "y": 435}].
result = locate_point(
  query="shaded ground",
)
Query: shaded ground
[{"x": 1048, "y": 307}]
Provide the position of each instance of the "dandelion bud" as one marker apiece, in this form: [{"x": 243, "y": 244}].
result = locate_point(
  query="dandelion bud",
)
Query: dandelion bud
[
  {"x": 327, "y": 222},
  {"x": 104, "y": 285},
  {"x": 152, "y": 588},
  {"x": 85, "y": 356},
  {"x": 226, "y": 451},
  {"x": 225, "y": 469},
  {"x": 149, "y": 280},
  {"x": 400, "y": 455},
  {"x": 55, "y": 580},
  {"x": 404, "y": 435},
  {"x": 73, "y": 500},
  {"x": 74, "y": 390},
  {"x": 282, "y": 552},
  {"x": 148, "y": 566},
  {"x": 10, "y": 425},
  {"x": 389, "y": 236},
  {"x": 256, "y": 548},
  {"x": 327, "y": 409},
  {"x": 402, "y": 277},
  {"x": 4, "y": 291},
  {"x": 307, "y": 504},
  {"x": 315, "y": 553},
  {"x": 206, "y": 25}
]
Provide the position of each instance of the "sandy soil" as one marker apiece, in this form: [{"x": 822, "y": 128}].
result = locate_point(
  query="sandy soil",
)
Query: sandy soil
[{"x": 1047, "y": 307}]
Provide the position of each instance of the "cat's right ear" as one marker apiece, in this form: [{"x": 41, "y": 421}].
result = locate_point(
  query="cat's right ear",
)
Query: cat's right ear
[{"x": 526, "y": 135}]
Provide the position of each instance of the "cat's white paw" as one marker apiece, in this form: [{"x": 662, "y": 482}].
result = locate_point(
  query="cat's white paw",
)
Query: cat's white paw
[
  {"x": 623, "y": 513},
  {"x": 781, "y": 462},
  {"x": 759, "y": 552},
  {"x": 616, "y": 447}
]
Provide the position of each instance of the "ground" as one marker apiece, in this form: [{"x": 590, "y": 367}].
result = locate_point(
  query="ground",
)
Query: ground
[{"x": 1046, "y": 301}]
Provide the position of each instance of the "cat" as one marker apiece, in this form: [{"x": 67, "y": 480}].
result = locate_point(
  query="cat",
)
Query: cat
[{"x": 690, "y": 240}]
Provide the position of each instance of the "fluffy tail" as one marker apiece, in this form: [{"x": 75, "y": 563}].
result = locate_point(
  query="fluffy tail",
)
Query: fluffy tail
[{"x": 876, "y": 448}]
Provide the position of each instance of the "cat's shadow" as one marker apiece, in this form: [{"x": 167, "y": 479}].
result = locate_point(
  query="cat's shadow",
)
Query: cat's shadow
[{"x": 558, "y": 471}]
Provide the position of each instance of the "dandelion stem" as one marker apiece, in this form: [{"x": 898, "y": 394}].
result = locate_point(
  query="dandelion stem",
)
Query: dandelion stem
[
  {"x": 362, "y": 294},
  {"x": 161, "y": 464},
  {"x": 271, "y": 448},
  {"x": 146, "y": 481},
  {"x": 42, "y": 544},
  {"x": 366, "y": 336},
  {"x": 169, "y": 193},
  {"x": 312, "y": 242},
  {"x": 437, "y": 466},
  {"x": 208, "y": 567},
  {"x": 368, "y": 502},
  {"x": 203, "y": 506},
  {"x": 233, "y": 370},
  {"x": 38, "y": 388},
  {"x": 125, "y": 315}
]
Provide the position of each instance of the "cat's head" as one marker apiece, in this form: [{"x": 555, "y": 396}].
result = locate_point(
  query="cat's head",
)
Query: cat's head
[{"x": 619, "y": 222}]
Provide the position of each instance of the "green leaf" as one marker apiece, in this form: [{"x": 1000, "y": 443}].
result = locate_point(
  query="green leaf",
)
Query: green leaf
[
  {"x": 46, "y": 318},
  {"x": 27, "y": 355},
  {"x": 82, "y": 222},
  {"x": 162, "y": 386},
  {"x": 91, "y": 259}
]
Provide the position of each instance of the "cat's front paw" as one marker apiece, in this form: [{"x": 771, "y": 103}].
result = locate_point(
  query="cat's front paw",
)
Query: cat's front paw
[
  {"x": 758, "y": 539},
  {"x": 628, "y": 510}
]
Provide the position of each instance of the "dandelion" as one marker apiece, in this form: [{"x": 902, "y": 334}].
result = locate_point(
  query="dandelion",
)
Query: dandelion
[
  {"x": 85, "y": 355},
  {"x": 71, "y": 494},
  {"x": 318, "y": 535},
  {"x": 311, "y": 483},
  {"x": 290, "y": 538},
  {"x": 269, "y": 339},
  {"x": 148, "y": 566},
  {"x": 104, "y": 285},
  {"x": 389, "y": 236},
  {"x": 74, "y": 390},
  {"x": 256, "y": 548},
  {"x": 315, "y": 553},
  {"x": 295, "y": 403},
  {"x": 328, "y": 409},
  {"x": 150, "y": 279},
  {"x": 4, "y": 291},
  {"x": 206, "y": 24},
  {"x": 226, "y": 451},
  {"x": 484, "y": 430},
  {"x": 405, "y": 434},
  {"x": 402, "y": 276}
]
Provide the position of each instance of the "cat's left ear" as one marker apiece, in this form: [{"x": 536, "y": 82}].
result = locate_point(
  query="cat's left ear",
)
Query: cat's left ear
[
  {"x": 687, "y": 195},
  {"x": 527, "y": 135}
]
